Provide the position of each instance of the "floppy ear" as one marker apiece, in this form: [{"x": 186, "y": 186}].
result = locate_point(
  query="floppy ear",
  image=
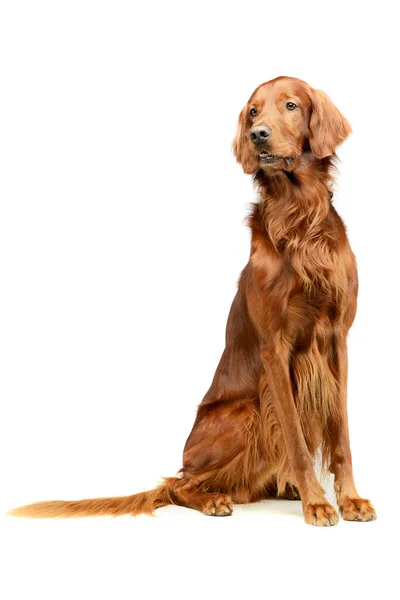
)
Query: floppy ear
[
  {"x": 237, "y": 144},
  {"x": 328, "y": 127},
  {"x": 241, "y": 147}
]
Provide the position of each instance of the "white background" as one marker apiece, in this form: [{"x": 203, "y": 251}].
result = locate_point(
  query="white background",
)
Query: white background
[{"x": 121, "y": 241}]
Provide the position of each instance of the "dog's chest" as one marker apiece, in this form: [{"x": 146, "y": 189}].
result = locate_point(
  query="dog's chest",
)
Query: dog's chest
[
  {"x": 309, "y": 314},
  {"x": 300, "y": 292}
]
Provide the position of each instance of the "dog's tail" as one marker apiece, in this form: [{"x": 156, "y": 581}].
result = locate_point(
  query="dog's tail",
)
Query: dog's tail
[{"x": 144, "y": 502}]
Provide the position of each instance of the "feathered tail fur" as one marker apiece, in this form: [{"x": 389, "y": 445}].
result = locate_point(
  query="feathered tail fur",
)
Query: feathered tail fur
[{"x": 144, "y": 502}]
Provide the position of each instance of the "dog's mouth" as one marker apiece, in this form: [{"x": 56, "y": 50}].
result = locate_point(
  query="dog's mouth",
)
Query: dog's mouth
[{"x": 269, "y": 159}]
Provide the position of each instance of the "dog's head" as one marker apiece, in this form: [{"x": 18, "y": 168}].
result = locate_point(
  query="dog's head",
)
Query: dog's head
[{"x": 284, "y": 118}]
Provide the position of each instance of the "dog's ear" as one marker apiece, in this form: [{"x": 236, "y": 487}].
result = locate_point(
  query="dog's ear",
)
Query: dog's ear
[
  {"x": 328, "y": 127},
  {"x": 240, "y": 146}
]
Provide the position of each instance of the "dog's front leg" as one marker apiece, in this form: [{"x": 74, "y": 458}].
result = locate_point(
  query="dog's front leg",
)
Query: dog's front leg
[
  {"x": 317, "y": 511},
  {"x": 351, "y": 505}
]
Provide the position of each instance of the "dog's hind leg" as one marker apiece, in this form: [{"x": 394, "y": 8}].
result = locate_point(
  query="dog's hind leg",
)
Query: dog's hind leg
[{"x": 187, "y": 492}]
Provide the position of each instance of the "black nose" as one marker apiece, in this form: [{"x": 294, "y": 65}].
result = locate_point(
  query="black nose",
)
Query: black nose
[{"x": 260, "y": 134}]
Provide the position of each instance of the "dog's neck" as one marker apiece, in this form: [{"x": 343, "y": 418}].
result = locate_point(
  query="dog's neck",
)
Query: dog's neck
[
  {"x": 295, "y": 212},
  {"x": 296, "y": 203}
]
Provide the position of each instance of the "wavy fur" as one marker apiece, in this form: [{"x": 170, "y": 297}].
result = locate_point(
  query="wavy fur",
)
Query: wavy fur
[{"x": 278, "y": 396}]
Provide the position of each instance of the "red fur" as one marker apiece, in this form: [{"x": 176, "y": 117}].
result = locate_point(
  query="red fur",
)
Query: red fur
[{"x": 279, "y": 392}]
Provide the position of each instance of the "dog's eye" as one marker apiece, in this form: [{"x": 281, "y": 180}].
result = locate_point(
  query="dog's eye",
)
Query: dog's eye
[
  {"x": 253, "y": 112},
  {"x": 291, "y": 106}
]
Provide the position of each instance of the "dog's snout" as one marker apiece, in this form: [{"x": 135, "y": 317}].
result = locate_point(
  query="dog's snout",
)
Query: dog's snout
[{"x": 260, "y": 134}]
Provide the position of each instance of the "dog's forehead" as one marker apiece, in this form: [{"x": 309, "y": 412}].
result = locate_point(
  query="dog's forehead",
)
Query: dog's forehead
[{"x": 271, "y": 92}]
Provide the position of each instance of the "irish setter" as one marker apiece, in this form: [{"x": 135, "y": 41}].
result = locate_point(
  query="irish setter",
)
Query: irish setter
[{"x": 279, "y": 392}]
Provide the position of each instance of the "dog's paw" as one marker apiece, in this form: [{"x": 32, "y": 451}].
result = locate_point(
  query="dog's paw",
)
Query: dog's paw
[
  {"x": 323, "y": 515},
  {"x": 219, "y": 505},
  {"x": 357, "y": 509}
]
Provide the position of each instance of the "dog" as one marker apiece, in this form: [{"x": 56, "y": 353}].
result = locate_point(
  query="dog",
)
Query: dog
[{"x": 278, "y": 396}]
